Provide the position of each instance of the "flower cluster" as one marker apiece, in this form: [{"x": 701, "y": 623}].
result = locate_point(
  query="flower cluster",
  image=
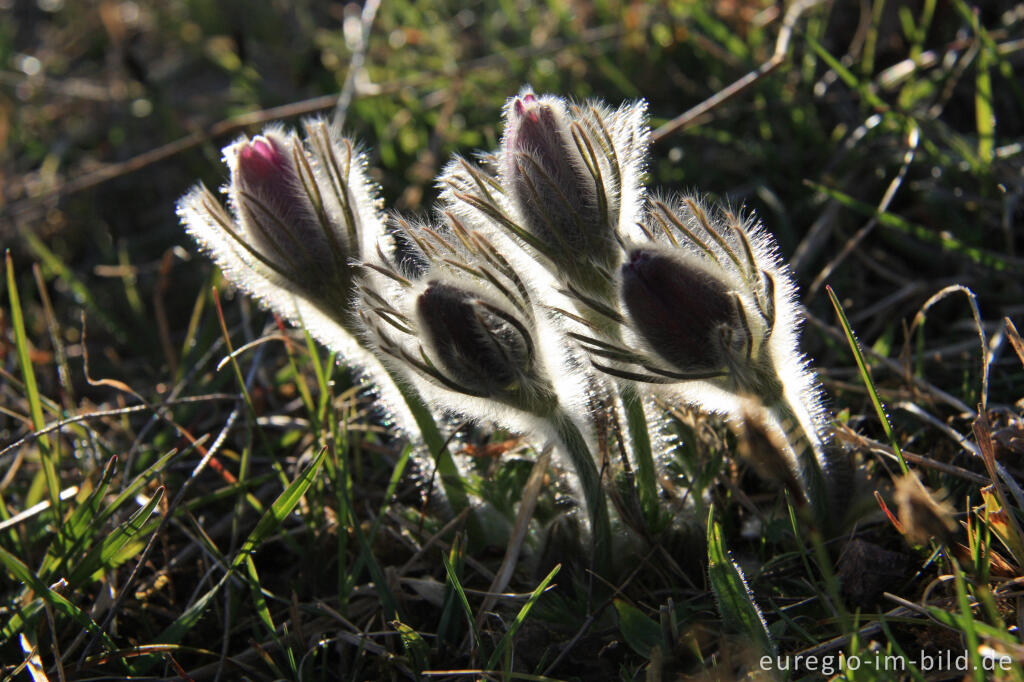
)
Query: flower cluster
[{"x": 546, "y": 277}]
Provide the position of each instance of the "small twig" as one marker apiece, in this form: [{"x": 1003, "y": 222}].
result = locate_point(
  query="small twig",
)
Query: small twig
[
  {"x": 508, "y": 565},
  {"x": 688, "y": 117},
  {"x": 101, "y": 414},
  {"x": 890, "y": 193},
  {"x": 893, "y": 366},
  {"x": 355, "y": 64}
]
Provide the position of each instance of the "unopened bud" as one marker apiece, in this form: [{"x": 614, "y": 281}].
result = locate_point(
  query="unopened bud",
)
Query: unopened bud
[
  {"x": 682, "y": 311},
  {"x": 555, "y": 189},
  {"x": 484, "y": 350},
  {"x": 277, "y": 211}
]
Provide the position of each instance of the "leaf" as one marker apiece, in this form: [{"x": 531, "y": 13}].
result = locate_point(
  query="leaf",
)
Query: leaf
[
  {"x": 865, "y": 374},
  {"x": 101, "y": 555},
  {"x": 642, "y": 634},
  {"x": 506, "y": 640},
  {"x": 415, "y": 647},
  {"x": 736, "y": 604}
]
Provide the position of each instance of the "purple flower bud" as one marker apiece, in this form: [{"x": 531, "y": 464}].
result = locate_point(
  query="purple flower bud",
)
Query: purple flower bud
[
  {"x": 557, "y": 194},
  {"x": 684, "y": 313},
  {"x": 262, "y": 163},
  {"x": 277, "y": 211},
  {"x": 482, "y": 349}
]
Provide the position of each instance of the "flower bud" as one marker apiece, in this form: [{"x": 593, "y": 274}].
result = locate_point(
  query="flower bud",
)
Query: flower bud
[
  {"x": 682, "y": 311},
  {"x": 558, "y": 192},
  {"x": 276, "y": 209},
  {"x": 480, "y": 347}
]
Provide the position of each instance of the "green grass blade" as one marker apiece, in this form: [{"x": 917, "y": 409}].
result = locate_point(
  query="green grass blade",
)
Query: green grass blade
[
  {"x": 984, "y": 114},
  {"x": 50, "y": 457},
  {"x": 258, "y": 598},
  {"x": 77, "y": 525},
  {"x": 982, "y": 257},
  {"x": 17, "y": 622},
  {"x": 457, "y": 584},
  {"x": 506, "y": 640},
  {"x": 102, "y": 555},
  {"x": 280, "y": 509},
  {"x": 132, "y": 489},
  {"x": 268, "y": 523},
  {"x": 847, "y": 76},
  {"x": 967, "y": 621},
  {"x": 865, "y": 374},
  {"x": 736, "y": 604},
  {"x": 174, "y": 632}
]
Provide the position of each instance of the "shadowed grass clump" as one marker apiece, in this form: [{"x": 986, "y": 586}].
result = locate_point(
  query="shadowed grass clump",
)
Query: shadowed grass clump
[{"x": 193, "y": 488}]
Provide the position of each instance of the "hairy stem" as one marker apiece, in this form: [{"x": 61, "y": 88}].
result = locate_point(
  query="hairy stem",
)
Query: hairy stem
[
  {"x": 811, "y": 464},
  {"x": 572, "y": 443},
  {"x": 451, "y": 480},
  {"x": 640, "y": 436}
]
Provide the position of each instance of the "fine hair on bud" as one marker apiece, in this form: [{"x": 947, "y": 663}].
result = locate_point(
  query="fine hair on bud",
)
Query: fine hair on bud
[
  {"x": 565, "y": 180},
  {"x": 681, "y": 309},
  {"x": 486, "y": 350},
  {"x": 462, "y": 322},
  {"x": 545, "y": 175},
  {"x": 299, "y": 212}
]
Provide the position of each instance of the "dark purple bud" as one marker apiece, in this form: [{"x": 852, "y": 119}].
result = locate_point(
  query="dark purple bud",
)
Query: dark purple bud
[
  {"x": 276, "y": 209},
  {"x": 478, "y": 346},
  {"x": 557, "y": 195},
  {"x": 685, "y": 314}
]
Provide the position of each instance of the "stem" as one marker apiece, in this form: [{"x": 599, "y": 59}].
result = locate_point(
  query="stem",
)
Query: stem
[
  {"x": 575, "y": 446},
  {"x": 451, "y": 480},
  {"x": 640, "y": 436},
  {"x": 810, "y": 464}
]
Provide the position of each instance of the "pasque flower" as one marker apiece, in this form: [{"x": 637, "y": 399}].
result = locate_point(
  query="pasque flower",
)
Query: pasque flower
[
  {"x": 302, "y": 237},
  {"x": 566, "y": 178},
  {"x": 463, "y": 327},
  {"x": 672, "y": 294},
  {"x": 302, "y": 213},
  {"x": 463, "y": 322},
  {"x": 707, "y": 310}
]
